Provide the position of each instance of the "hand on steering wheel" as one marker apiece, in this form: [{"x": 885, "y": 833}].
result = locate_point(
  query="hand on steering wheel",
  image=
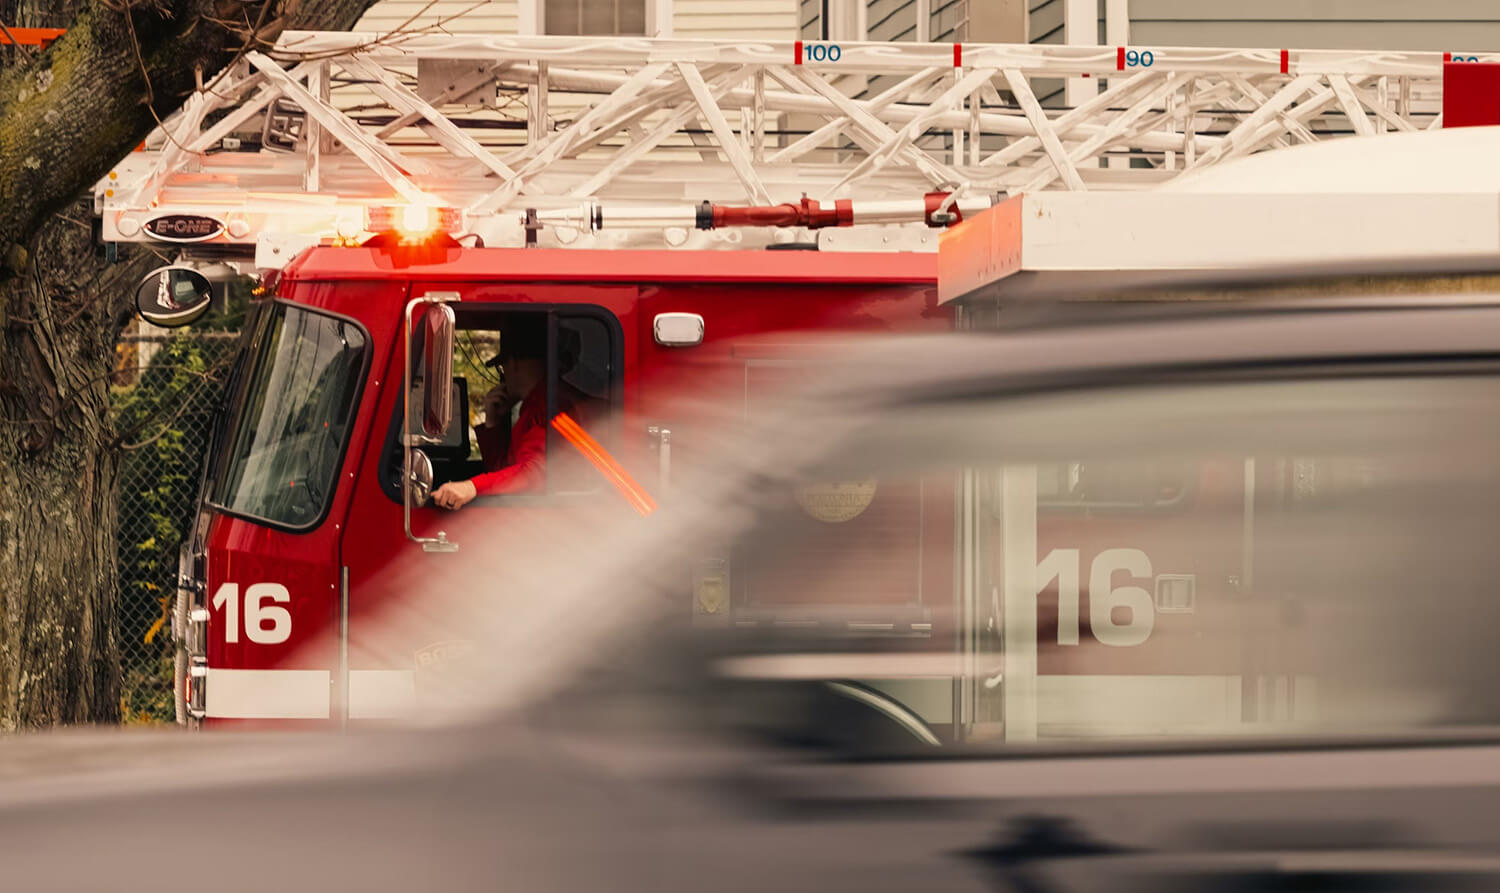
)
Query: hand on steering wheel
[{"x": 454, "y": 495}]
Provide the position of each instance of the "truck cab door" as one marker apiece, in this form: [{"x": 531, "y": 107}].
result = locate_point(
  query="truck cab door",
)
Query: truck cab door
[
  {"x": 420, "y": 573},
  {"x": 259, "y": 614}
]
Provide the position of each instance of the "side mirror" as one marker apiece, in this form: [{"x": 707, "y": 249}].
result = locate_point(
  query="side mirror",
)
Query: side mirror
[
  {"x": 171, "y": 297},
  {"x": 436, "y": 404},
  {"x": 437, "y": 350},
  {"x": 419, "y": 477}
]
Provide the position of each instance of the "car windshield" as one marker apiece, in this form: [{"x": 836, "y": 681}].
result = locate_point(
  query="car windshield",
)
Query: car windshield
[{"x": 293, "y": 412}]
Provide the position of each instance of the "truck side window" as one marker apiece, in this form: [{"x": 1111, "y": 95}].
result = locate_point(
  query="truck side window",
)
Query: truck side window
[
  {"x": 515, "y": 369},
  {"x": 288, "y": 441},
  {"x": 585, "y": 381}
]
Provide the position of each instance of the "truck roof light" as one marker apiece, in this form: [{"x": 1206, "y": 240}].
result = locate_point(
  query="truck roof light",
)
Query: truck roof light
[{"x": 413, "y": 223}]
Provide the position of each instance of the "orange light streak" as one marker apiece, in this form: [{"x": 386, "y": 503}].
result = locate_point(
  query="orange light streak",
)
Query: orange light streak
[{"x": 600, "y": 458}]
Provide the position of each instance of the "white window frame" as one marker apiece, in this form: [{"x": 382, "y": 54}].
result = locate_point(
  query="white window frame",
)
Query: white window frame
[
  {"x": 848, "y": 20},
  {"x": 1117, "y": 22},
  {"x": 531, "y": 18},
  {"x": 1080, "y": 28}
]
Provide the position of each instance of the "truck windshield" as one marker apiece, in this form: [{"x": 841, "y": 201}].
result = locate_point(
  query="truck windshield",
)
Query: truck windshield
[{"x": 295, "y": 412}]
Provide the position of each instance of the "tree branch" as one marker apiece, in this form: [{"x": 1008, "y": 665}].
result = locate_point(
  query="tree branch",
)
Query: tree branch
[{"x": 70, "y": 113}]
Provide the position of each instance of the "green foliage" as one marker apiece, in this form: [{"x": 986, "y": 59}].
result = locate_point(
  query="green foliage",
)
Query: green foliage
[
  {"x": 164, "y": 421},
  {"x": 146, "y": 693},
  {"x": 471, "y": 350}
]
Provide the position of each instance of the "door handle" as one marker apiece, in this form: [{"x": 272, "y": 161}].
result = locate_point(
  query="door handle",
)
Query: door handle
[{"x": 661, "y": 444}]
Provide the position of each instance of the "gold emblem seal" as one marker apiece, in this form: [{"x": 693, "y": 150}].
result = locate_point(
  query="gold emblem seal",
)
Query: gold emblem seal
[
  {"x": 711, "y": 587},
  {"x": 838, "y": 502}
]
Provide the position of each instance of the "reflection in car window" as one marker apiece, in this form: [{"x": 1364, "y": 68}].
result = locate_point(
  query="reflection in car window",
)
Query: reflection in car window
[
  {"x": 1106, "y": 485},
  {"x": 1329, "y": 570},
  {"x": 283, "y": 460}
]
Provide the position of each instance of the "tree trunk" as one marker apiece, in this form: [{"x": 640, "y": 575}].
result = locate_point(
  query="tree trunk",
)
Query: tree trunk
[
  {"x": 67, "y": 115},
  {"x": 59, "y": 321},
  {"x": 59, "y": 658}
]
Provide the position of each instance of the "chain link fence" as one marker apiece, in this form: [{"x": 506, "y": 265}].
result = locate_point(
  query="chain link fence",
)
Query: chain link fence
[{"x": 165, "y": 391}]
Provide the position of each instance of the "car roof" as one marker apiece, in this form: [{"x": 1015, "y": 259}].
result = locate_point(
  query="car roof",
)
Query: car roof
[
  {"x": 1453, "y": 160},
  {"x": 1393, "y": 280},
  {"x": 1151, "y": 348}
]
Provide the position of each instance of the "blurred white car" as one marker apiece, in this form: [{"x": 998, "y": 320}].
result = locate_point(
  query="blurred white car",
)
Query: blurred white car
[{"x": 1183, "y": 603}]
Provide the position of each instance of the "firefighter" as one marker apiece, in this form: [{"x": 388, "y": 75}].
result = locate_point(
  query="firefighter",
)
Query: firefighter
[{"x": 514, "y": 454}]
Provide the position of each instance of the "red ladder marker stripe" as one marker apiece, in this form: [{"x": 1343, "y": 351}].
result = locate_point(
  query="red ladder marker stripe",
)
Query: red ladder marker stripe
[
  {"x": 1447, "y": 57},
  {"x": 1286, "y": 61},
  {"x": 799, "y": 54},
  {"x": 958, "y": 55},
  {"x": 1120, "y": 58}
]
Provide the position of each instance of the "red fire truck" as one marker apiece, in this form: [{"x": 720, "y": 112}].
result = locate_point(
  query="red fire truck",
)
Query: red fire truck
[
  {"x": 305, "y": 499},
  {"x": 320, "y": 466}
]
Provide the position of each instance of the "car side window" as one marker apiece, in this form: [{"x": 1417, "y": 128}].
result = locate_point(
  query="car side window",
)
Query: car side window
[
  {"x": 1111, "y": 486},
  {"x": 1328, "y": 572}
]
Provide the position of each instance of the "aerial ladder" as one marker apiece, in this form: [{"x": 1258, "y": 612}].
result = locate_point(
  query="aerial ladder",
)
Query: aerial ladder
[{"x": 644, "y": 142}]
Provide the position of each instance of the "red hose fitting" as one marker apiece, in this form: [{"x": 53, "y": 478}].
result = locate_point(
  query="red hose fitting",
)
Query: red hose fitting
[
  {"x": 807, "y": 213},
  {"x": 933, "y": 201}
]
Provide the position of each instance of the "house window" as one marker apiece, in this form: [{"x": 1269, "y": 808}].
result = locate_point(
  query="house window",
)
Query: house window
[{"x": 594, "y": 16}]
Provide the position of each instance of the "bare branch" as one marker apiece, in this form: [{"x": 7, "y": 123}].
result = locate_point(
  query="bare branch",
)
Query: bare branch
[{"x": 130, "y": 63}]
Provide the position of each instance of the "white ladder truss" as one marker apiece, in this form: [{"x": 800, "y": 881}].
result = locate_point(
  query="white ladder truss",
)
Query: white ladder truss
[{"x": 494, "y": 125}]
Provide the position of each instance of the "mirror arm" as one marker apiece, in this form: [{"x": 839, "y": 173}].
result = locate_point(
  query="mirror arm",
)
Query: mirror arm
[{"x": 439, "y": 543}]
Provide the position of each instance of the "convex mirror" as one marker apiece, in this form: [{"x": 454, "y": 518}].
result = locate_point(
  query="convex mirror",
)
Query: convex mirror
[
  {"x": 172, "y": 297},
  {"x": 419, "y": 477}
]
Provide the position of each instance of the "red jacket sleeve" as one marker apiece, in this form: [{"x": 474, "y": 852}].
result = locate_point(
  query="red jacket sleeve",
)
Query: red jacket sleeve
[
  {"x": 494, "y": 443},
  {"x": 527, "y": 472}
]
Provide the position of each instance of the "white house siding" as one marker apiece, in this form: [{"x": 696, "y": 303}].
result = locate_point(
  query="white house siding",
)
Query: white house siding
[
  {"x": 949, "y": 20},
  {"x": 755, "y": 19},
  {"x": 457, "y": 16},
  {"x": 1442, "y": 25},
  {"x": 1467, "y": 26},
  {"x": 810, "y": 19},
  {"x": 891, "y": 19},
  {"x": 748, "y": 19},
  {"x": 1044, "y": 21},
  {"x": 1459, "y": 26},
  {"x": 1044, "y": 24}
]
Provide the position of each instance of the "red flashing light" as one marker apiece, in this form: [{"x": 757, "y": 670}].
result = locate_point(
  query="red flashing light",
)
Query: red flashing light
[{"x": 413, "y": 223}]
